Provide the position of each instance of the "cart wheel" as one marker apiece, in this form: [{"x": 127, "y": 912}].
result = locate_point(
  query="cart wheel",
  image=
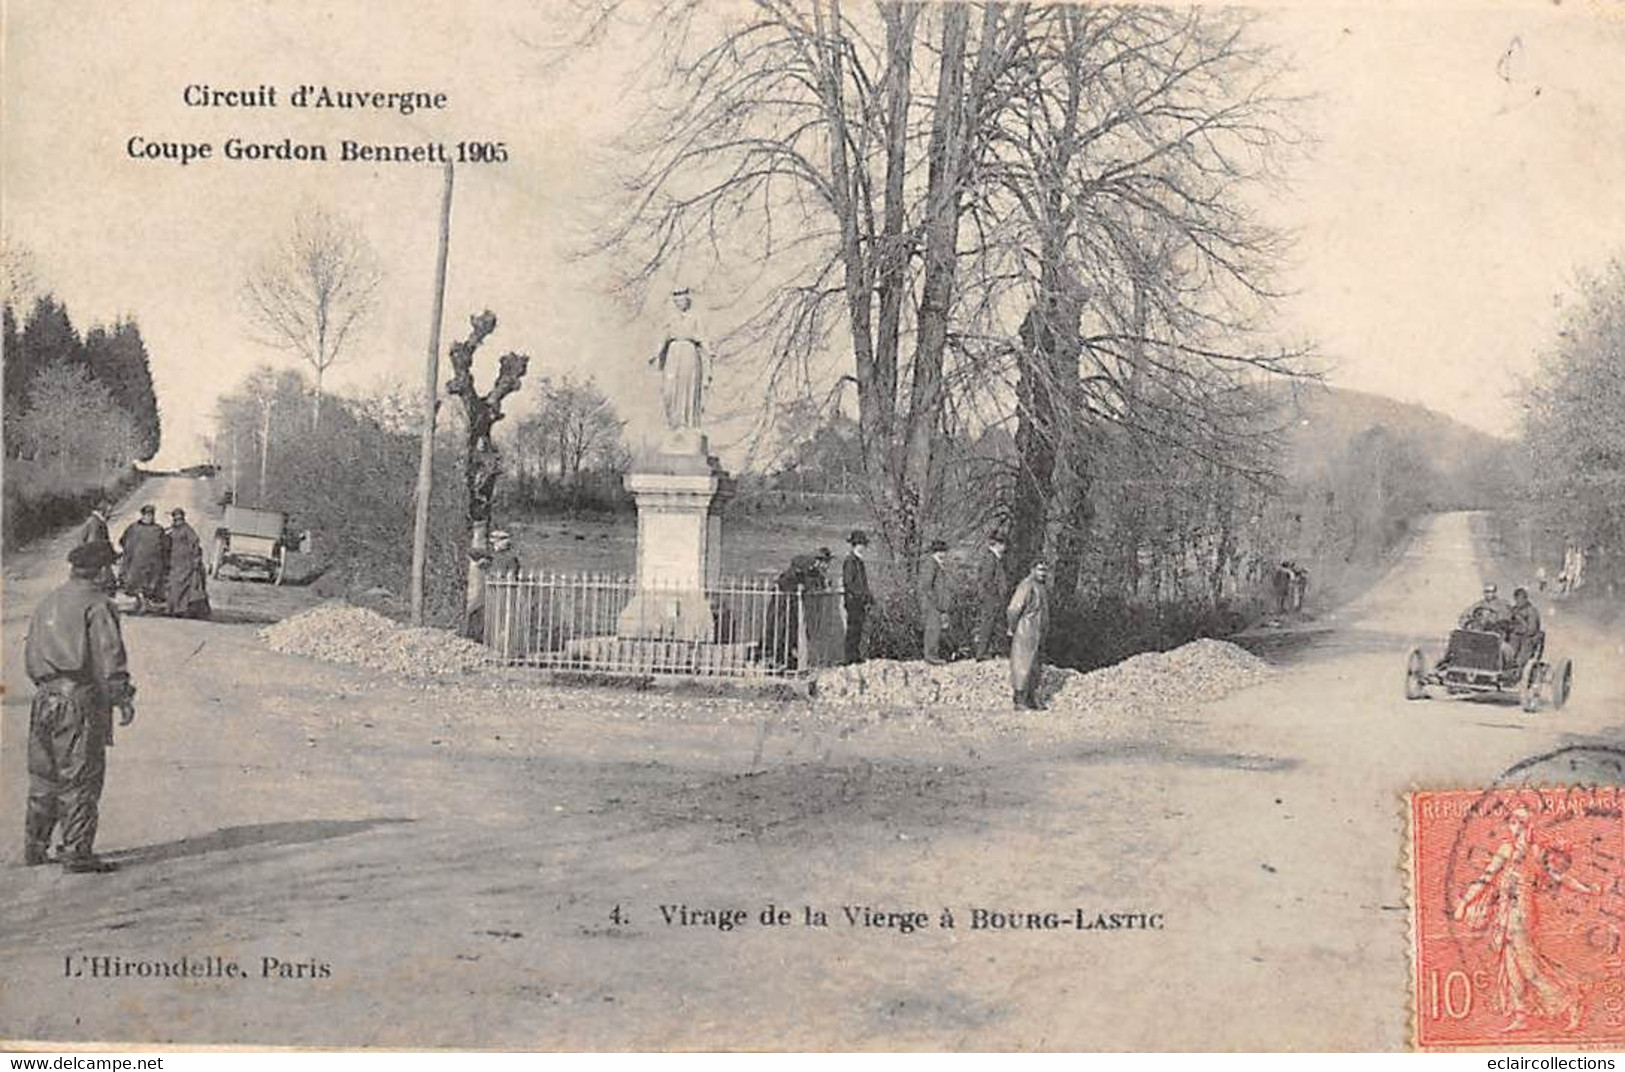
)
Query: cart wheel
[
  {"x": 1415, "y": 666},
  {"x": 218, "y": 556},
  {"x": 1561, "y": 680}
]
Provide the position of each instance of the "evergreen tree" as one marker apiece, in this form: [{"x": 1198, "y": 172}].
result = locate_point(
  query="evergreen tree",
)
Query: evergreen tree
[{"x": 118, "y": 359}]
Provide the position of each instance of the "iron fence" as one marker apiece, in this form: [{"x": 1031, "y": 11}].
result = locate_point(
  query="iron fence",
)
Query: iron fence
[{"x": 605, "y": 623}]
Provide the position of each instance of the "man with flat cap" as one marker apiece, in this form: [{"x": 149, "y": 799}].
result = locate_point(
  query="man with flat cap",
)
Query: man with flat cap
[
  {"x": 855, "y": 594},
  {"x": 936, "y": 599},
  {"x": 74, "y": 654},
  {"x": 188, "y": 590},
  {"x": 143, "y": 547}
]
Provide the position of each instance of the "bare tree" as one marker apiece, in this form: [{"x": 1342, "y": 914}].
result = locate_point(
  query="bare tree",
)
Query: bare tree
[
  {"x": 312, "y": 290},
  {"x": 1047, "y": 205},
  {"x": 576, "y": 425},
  {"x": 483, "y": 463}
]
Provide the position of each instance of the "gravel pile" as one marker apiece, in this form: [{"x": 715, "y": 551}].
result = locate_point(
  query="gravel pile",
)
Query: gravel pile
[
  {"x": 1199, "y": 671},
  {"x": 340, "y": 633}
]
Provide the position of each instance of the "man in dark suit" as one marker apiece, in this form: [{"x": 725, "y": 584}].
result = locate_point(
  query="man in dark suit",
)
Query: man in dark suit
[
  {"x": 855, "y": 594},
  {"x": 992, "y": 598},
  {"x": 936, "y": 598}
]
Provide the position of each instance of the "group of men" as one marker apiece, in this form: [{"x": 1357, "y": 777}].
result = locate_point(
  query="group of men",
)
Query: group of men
[
  {"x": 159, "y": 567},
  {"x": 1289, "y": 583},
  {"x": 1018, "y": 618},
  {"x": 1518, "y": 625}
]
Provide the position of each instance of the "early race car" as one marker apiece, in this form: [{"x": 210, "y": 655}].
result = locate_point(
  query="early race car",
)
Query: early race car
[{"x": 1476, "y": 661}]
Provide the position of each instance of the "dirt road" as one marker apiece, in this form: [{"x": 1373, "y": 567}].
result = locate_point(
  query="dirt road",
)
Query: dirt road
[{"x": 446, "y": 859}]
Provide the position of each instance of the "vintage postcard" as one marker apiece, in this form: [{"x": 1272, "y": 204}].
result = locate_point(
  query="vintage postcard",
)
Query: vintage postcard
[{"x": 812, "y": 525}]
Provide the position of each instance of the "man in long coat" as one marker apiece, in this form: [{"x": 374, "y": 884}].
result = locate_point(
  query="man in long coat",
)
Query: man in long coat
[
  {"x": 142, "y": 547},
  {"x": 74, "y": 654},
  {"x": 856, "y": 595},
  {"x": 1028, "y": 619},
  {"x": 187, "y": 588},
  {"x": 936, "y": 599},
  {"x": 992, "y": 597}
]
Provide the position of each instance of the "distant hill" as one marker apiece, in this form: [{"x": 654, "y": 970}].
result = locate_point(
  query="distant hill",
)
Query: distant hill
[{"x": 1464, "y": 465}]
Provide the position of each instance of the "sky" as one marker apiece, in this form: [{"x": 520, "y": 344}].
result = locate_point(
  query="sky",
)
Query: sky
[{"x": 1468, "y": 162}]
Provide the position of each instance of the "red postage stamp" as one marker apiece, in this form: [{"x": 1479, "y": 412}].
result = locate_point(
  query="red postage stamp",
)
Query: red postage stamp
[{"x": 1517, "y": 917}]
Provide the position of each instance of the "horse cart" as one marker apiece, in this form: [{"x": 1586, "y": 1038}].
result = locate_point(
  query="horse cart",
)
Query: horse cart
[
  {"x": 1476, "y": 662},
  {"x": 249, "y": 540}
]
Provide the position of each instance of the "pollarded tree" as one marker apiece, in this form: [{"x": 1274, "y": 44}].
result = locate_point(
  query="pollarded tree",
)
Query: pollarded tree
[{"x": 310, "y": 292}]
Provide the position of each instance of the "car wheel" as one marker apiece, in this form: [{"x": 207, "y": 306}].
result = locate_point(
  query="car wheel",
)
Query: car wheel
[{"x": 1562, "y": 680}]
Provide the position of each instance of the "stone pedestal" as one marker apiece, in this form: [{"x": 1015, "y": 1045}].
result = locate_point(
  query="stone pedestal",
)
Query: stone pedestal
[{"x": 681, "y": 492}]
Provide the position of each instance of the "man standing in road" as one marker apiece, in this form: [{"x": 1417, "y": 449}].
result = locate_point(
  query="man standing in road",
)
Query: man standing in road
[
  {"x": 992, "y": 597},
  {"x": 142, "y": 547},
  {"x": 1027, "y": 619},
  {"x": 936, "y": 599},
  {"x": 855, "y": 594},
  {"x": 74, "y": 654},
  {"x": 187, "y": 589}
]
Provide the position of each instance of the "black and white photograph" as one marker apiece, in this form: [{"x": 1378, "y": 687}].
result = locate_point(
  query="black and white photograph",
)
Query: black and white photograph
[{"x": 813, "y": 525}]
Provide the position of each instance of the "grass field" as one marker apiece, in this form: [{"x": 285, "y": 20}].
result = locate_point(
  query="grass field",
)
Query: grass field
[{"x": 759, "y": 539}]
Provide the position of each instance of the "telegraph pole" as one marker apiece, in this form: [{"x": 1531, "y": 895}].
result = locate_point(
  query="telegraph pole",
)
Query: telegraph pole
[{"x": 431, "y": 394}]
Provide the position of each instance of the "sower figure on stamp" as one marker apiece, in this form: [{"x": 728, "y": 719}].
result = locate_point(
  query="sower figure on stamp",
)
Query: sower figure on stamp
[
  {"x": 1027, "y": 619},
  {"x": 936, "y": 599},
  {"x": 993, "y": 597},
  {"x": 74, "y": 654},
  {"x": 682, "y": 362},
  {"x": 1502, "y": 900},
  {"x": 855, "y": 594}
]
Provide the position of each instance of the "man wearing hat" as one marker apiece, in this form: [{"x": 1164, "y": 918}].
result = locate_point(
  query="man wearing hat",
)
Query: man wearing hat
[
  {"x": 1490, "y": 613},
  {"x": 187, "y": 590},
  {"x": 1524, "y": 634},
  {"x": 824, "y": 639},
  {"x": 74, "y": 654},
  {"x": 992, "y": 597},
  {"x": 94, "y": 530},
  {"x": 142, "y": 546},
  {"x": 936, "y": 598},
  {"x": 855, "y": 594},
  {"x": 1027, "y": 619}
]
